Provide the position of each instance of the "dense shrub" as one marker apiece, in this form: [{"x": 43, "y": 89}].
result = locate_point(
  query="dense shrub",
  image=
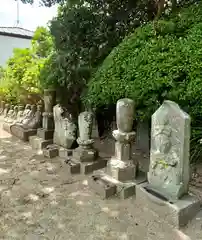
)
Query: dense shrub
[{"x": 154, "y": 64}]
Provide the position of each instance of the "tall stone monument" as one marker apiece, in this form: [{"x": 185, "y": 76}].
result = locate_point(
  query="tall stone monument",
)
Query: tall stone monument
[
  {"x": 45, "y": 134},
  {"x": 169, "y": 170},
  {"x": 85, "y": 158},
  {"x": 121, "y": 169}
]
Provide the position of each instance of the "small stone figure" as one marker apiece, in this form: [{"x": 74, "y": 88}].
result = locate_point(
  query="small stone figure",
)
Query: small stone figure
[
  {"x": 85, "y": 152},
  {"x": 2, "y": 107},
  {"x": 6, "y": 109}
]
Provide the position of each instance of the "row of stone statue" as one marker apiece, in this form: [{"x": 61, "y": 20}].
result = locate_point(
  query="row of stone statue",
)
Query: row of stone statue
[
  {"x": 29, "y": 117},
  {"x": 167, "y": 180}
]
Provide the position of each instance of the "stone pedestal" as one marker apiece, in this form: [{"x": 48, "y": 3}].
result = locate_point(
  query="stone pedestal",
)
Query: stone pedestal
[
  {"x": 45, "y": 134},
  {"x": 86, "y": 156},
  {"x": 121, "y": 170},
  {"x": 177, "y": 214}
]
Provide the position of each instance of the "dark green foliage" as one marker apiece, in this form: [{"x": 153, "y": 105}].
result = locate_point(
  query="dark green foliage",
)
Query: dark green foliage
[{"x": 150, "y": 66}]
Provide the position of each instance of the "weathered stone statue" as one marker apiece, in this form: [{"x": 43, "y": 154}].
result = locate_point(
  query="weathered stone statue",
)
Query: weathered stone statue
[
  {"x": 35, "y": 118},
  {"x": 121, "y": 166},
  {"x": 2, "y": 107},
  {"x": 65, "y": 128},
  {"x": 29, "y": 124},
  {"x": 29, "y": 113},
  {"x": 64, "y": 136},
  {"x": 10, "y": 119},
  {"x": 166, "y": 191},
  {"x": 20, "y": 113},
  {"x": 169, "y": 171},
  {"x": 121, "y": 177},
  {"x": 6, "y": 109},
  {"x": 85, "y": 158},
  {"x": 85, "y": 152}
]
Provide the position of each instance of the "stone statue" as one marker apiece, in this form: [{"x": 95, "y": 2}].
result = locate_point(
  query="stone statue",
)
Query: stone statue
[
  {"x": 13, "y": 115},
  {"x": 36, "y": 119},
  {"x": 169, "y": 155},
  {"x": 65, "y": 128},
  {"x": 20, "y": 113},
  {"x": 28, "y": 114},
  {"x": 6, "y": 109},
  {"x": 2, "y": 107}
]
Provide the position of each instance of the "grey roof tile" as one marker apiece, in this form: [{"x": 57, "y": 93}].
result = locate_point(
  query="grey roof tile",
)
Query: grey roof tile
[{"x": 16, "y": 31}]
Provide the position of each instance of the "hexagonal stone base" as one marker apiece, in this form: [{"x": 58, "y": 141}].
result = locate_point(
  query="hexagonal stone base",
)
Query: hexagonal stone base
[
  {"x": 45, "y": 133},
  {"x": 51, "y": 151},
  {"x": 105, "y": 185},
  {"x": 39, "y": 143},
  {"x": 85, "y": 155},
  {"x": 177, "y": 214}
]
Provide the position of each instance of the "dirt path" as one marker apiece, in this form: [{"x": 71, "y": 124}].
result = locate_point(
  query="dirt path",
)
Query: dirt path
[{"x": 40, "y": 201}]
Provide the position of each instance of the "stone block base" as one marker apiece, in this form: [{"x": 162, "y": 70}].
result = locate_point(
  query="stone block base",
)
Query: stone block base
[
  {"x": 22, "y": 133},
  {"x": 6, "y": 127},
  {"x": 120, "y": 170},
  {"x": 102, "y": 187},
  {"x": 65, "y": 153},
  {"x": 51, "y": 151},
  {"x": 38, "y": 143},
  {"x": 85, "y": 168},
  {"x": 45, "y": 133},
  {"x": 177, "y": 214},
  {"x": 107, "y": 186},
  {"x": 73, "y": 166},
  {"x": 85, "y": 155}
]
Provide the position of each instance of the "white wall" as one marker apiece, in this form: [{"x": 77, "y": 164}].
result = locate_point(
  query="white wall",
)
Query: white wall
[{"x": 7, "y": 44}]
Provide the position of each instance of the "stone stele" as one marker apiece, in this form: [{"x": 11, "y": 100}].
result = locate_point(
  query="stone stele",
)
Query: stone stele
[{"x": 169, "y": 171}]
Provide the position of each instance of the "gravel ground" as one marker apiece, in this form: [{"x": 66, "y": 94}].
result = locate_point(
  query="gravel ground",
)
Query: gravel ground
[{"x": 40, "y": 201}]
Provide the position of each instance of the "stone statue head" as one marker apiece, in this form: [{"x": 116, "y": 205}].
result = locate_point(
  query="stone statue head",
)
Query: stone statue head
[
  {"x": 12, "y": 107},
  {"x": 7, "y": 105}
]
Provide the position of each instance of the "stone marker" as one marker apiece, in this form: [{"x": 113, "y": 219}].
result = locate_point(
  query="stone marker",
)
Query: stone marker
[
  {"x": 64, "y": 136},
  {"x": 121, "y": 169},
  {"x": 28, "y": 126},
  {"x": 166, "y": 192},
  {"x": 45, "y": 134},
  {"x": 85, "y": 158}
]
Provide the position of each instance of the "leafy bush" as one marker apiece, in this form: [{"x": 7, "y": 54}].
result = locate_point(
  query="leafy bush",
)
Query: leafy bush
[
  {"x": 152, "y": 65},
  {"x": 156, "y": 63},
  {"x": 20, "y": 78}
]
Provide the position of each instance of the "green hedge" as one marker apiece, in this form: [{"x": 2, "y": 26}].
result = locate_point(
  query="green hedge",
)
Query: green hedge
[{"x": 156, "y": 62}]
